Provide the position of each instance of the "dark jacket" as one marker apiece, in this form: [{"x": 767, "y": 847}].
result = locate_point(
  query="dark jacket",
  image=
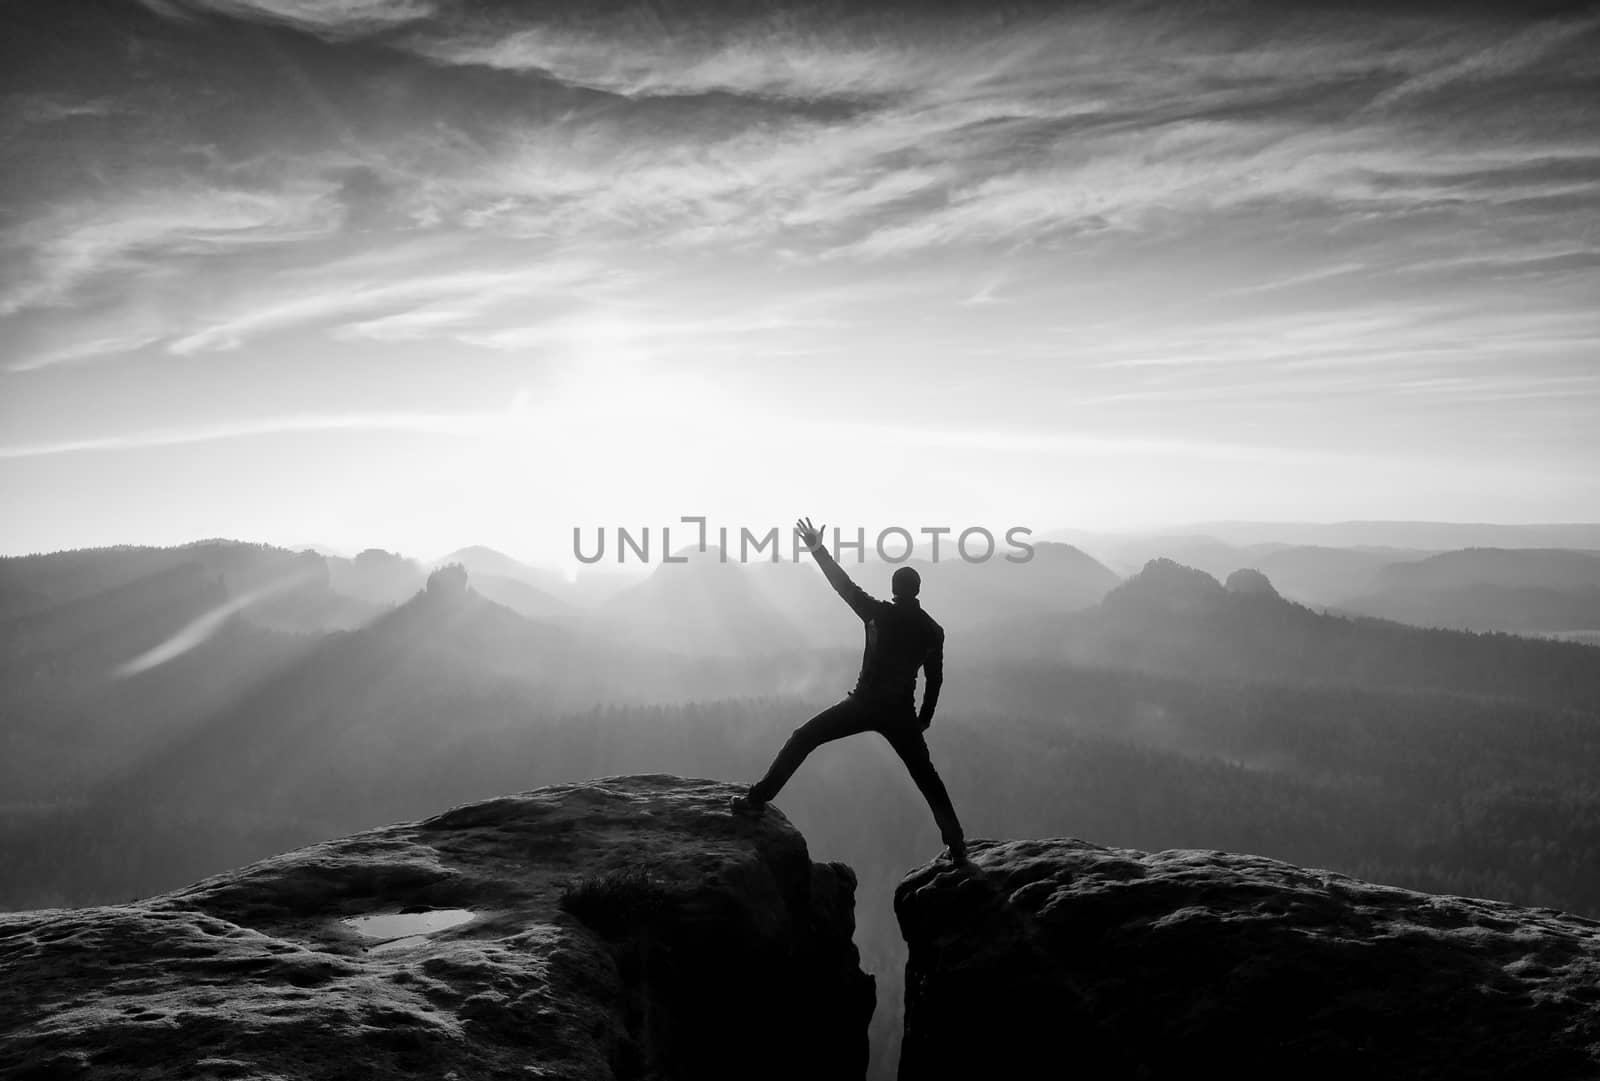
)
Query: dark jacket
[{"x": 901, "y": 638}]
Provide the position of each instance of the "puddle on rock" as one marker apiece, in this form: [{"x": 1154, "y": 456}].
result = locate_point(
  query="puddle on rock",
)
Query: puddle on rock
[{"x": 403, "y": 930}]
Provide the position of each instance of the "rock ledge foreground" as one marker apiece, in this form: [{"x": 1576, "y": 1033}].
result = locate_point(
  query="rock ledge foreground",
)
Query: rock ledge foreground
[
  {"x": 1104, "y": 962},
  {"x": 621, "y": 928}
]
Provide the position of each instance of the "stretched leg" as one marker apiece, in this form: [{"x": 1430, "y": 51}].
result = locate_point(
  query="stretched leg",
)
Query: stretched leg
[
  {"x": 913, "y": 751},
  {"x": 847, "y": 718}
]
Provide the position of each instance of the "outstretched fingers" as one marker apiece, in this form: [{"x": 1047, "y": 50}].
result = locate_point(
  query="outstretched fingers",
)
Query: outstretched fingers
[{"x": 809, "y": 533}]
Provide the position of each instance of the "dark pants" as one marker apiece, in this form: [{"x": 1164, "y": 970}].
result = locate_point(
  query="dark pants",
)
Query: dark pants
[{"x": 850, "y": 717}]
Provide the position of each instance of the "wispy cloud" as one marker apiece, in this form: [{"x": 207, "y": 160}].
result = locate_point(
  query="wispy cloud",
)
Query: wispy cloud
[
  {"x": 45, "y": 108},
  {"x": 456, "y": 424},
  {"x": 54, "y": 256},
  {"x": 341, "y": 18},
  {"x": 778, "y": 55},
  {"x": 1040, "y": 442},
  {"x": 987, "y": 293},
  {"x": 933, "y": 132},
  {"x": 336, "y": 294},
  {"x": 83, "y": 350},
  {"x": 1501, "y": 58},
  {"x": 1294, "y": 281},
  {"x": 636, "y": 330},
  {"x": 1281, "y": 202}
]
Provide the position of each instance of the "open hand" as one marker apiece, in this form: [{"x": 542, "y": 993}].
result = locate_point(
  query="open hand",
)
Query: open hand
[{"x": 810, "y": 535}]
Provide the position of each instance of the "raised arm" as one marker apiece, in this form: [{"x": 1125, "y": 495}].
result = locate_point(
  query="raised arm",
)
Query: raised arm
[
  {"x": 859, "y": 600},
  {"x": 932, "y": 679}
]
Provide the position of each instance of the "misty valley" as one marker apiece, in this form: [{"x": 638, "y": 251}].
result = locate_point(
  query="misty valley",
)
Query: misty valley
[{"x": 171, "y": 713}]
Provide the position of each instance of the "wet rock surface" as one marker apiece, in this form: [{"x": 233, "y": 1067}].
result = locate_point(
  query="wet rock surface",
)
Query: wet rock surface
[{"x": 621, "y": 928}]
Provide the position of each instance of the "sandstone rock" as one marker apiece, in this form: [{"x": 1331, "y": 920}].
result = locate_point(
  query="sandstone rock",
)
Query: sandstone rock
[
  {"x": 1101, "y": 962},
  {"x": 622, "y": 928},
  {"x": 1249, "y": 582}
]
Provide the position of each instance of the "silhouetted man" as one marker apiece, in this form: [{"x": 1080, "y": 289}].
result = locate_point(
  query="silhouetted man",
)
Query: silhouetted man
[{"x": 901, "y": 638}]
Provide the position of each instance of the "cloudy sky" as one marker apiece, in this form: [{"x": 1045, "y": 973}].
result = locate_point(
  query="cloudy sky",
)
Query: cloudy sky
[{"x": 423, "y": 273}]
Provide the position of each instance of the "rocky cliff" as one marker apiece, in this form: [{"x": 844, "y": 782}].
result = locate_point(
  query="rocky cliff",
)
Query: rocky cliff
[
  {"x": 622, "y": 928},
  {"x": 1100, "y": 962}
]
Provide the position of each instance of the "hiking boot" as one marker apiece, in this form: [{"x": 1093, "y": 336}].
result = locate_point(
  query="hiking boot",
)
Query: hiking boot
[{"x": 744, "y": 805}]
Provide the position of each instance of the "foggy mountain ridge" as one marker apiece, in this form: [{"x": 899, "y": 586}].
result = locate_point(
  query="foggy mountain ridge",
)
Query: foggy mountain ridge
[
  {"x": 1485, "y": 607},
  {"x": 703, "y": 605},
  {"x": 57, "y": 578},
  {"x": 1484, "y": 589},
  {"x": 698, "y": 631},
  {"x": 484, "y": 562},
  {"x": 1547, "y": 589},
  {"x": 522, "y": 598},
  {"x": 377, "y": 576},
  {"x": 1417, "y": 535},
  {"x": 448, "y": 665},
  {"x": 1178, "y": 711},
  {"x": 1175, "y": 619},
  {"x": 313, "y": 723},
  {"x": 451, "y": 652},
  {"x": 1543, "y": 568},
  {"x": 106, "y": 627},
  {"x": 707, "y": 605},
  {"x": 1059, "y": 575}
]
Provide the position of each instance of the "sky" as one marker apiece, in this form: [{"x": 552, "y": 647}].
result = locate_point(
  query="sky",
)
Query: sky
[{"x": 427, "y": 273}]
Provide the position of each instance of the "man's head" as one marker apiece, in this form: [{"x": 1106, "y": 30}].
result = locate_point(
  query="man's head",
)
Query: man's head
[{"x": 906, "y": 582}]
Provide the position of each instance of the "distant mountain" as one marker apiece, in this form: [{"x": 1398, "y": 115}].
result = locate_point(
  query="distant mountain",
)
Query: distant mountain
[
  {"x": 1537, "y": 568},
  {"x": 1486, "y": 607},
  {"x": 703, "y": 606},
  {"x": 92, "y": 685},
  {"x": 1317, "y": 575},
  {"x": 1181, "y": 621},
  {"x": 1126, "y": 554},
  {"x": 531, "y": 591},
  {"x": 522, "y": 598},
  {"x": 363, "y": 713},
  {"x": 482, "y": 562},
  {"x": 1488, "y": 589},
  {"x": 376, "y": 576},
  {"x": 1059, "y": 578},
  {"x": 37, "y": 582},
  {"x": 89, "y": 636},
  {"x": 1312, "y": 574},
  {"x": 34, "y": 582},
  {"x": 1436, "y": 536},
  {"x": 417, "y": 678},
  {"x": 289, "y": 590},
  {"x": 1385, "y": 581}
]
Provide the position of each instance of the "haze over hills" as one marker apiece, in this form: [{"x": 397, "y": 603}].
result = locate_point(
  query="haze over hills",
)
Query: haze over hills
[
  {"x": 218, "y": 670},
  {"x": 704, "y": 605},
  {"x": 1177, "y": 620},
  {"x": 1309, "y": 573},
  {"x": 1171, "y": 710},
  {"x": 1549, "y": 590},
  {"x": 78, "y": 705},
  {"x": 1433, "y": 536},
  {"x": 1548, "y": 568},
  {"x": 1478, "y": 588},
  {"x": 1165, "y": 709}
]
